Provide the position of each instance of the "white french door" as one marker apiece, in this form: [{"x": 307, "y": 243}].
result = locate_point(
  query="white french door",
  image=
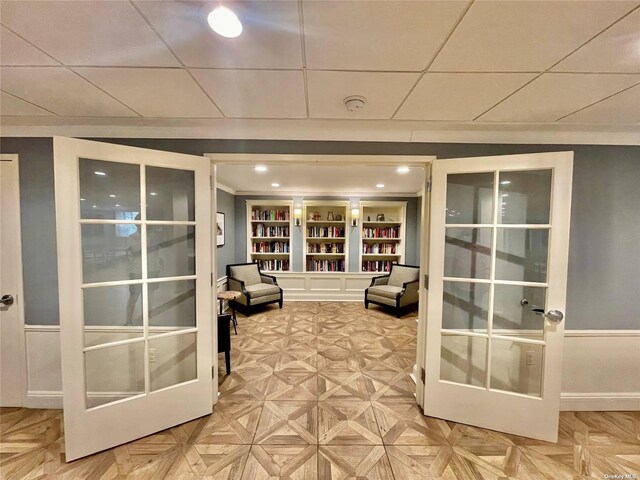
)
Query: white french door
[
  {"x": 134, "y": 263},
  {"x": 498, "y": 255}
]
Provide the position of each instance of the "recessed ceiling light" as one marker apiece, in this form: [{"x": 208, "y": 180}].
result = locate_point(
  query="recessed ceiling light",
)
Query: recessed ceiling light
[
  {"x": 403, "y": 170},
  {"x": 505, "y": 182},
  {"x": 112, "y": 195},
  {"x": 224, "y": 22},
  {"x": 82, "y": 199},
  {"x": 95, "y": 206},
  {"x": 275, "y": 185},
  {"x": 102, "y": 174},
  {"x": 380, "y": 185},
  {"x": 117, "y": 204},
  {"x": 260, "y": 168},
  {"x": 153, "y": 193}
]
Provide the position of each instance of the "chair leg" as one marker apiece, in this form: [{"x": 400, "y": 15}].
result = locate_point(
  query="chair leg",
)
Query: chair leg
[
  {"x": 366, "y": 304},
  {"x": 280, "y": 303},
  {"x": 227, "y": 361}
]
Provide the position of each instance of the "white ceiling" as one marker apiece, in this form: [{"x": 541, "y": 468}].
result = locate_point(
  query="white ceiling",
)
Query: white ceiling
[
  {"x": 305, "y": 179},
  {"x": 468, "y": 66}
]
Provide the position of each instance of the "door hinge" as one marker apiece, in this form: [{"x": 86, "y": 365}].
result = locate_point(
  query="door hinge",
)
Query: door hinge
[
  {"x": 426, "y": 281},
  {"x": 212, "y": 279},
  {"x": 429, "y": 184},
  {"x": 422, "y": 375},
  {"x": 210, "y": 183}
]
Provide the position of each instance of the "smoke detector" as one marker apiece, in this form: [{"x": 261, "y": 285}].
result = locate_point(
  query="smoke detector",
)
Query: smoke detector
[{"x": 354, "y": 103}]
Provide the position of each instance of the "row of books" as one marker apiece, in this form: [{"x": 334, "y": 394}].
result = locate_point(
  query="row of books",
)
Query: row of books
[
  {"x": 258, "y": 214},
  {"x": 325, "y": 248},
  {"x": 274, "y": 265},
  {"x": 377, "y": 266},
  {"x": 325, "y": 265},
  {"x": 388, "y": 248},
  {"x": 323, "y": 232},
  {"x": 388, "y": 232},
  {"x": 261, "y": 230},
  {"x": 270, "y": 247}
]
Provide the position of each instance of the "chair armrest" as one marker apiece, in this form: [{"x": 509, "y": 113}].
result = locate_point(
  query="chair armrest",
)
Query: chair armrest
[
  {"x": 409, "y": 293},
  {"x": 380, "y": 280},
  {"x": 413, "y": 285},
  {"x": 268, "y": 279},
  {"x": 237, "y": 286}
]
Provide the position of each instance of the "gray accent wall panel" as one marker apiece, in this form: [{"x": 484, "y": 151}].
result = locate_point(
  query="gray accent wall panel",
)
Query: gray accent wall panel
[
  {"x": 227, "y": 253},
  {"x": 604, "y": 261}
]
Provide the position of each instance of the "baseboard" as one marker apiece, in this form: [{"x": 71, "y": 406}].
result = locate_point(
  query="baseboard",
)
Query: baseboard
[
  {"x": 290, "y": 296},
  {"x": 43, "y": 400},
  {"x": 599, "y": 402}
]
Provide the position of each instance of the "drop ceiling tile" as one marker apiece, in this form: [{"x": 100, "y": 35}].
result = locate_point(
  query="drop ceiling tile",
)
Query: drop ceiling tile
[
  {"x": 255, "y": 93},
  {"x": 510, "y": 36},
  {"x": 88, "y": 32},
  {"x": 384, "y": 92},
  {"x": 615, "y": 50},
  {"x": 352, "y": 35},
  {"x": 459, "y": 96},
  {"x": 153, "y": 92},
  {"x": 270, "y": 38},
  {"x": 619, "y": 109},
  {"x": 16, "y": 51},
  {"x": 554, "y": 95},
  {"x": 10, "y": 105},
  {"x": 61, "y": 91}
]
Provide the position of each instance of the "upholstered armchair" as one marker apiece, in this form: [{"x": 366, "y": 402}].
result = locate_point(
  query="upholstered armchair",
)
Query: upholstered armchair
[
  {"x": 255, "y": 287},
  {"x": 398, "y": 289}
]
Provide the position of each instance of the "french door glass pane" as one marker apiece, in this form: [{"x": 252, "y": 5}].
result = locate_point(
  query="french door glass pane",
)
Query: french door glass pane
[
  {"x": 463, "y": 359},
  {"x": 172, "y": 304},
  {"x": 512, "y": 310},
  {"x": 469, "y": 198},
  {"x": 170, "y": 194},
  {"x": 174, "y": 360},
  {"x": 110, "y": 252},
  {"x": 521, "y": 254},
  {"x": 109, "y": 190},
  {"x": 516, "y": 367},
  {"x": 525, "y": 197},
  {"x": 114, "y": 373},
  {"x": 170, "y": 250},
  {"x": 114, "y": 306},
  {"x": 465, "y": 306},
  {"x": 467, "y": 252}
]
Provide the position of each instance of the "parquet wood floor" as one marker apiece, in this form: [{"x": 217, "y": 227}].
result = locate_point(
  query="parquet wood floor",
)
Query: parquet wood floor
[{"x": 321, "y": 391}]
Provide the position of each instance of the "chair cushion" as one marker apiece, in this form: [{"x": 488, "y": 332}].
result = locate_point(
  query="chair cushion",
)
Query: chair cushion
[
  {"x": 262, "y": 290},
  {"x": 400, "y": 275},
  {"x": 389, "y": 291},
  {"x": 249, "y": 274}
]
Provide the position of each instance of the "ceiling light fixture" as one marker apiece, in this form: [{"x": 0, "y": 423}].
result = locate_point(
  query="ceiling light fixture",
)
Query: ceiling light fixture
[
  {"x": 101, "y": 174},
  {"x": 260, "y": 168},
  {"x": 111, "y": 195},
  {"x": 224, "y": 22},
  {"x": 275, "y": 185},
  {"x": 403, "y": 170},
  {"x": 380, "y": 185},
  {"x": 505, "y": 182},
  {"x": 153, "y": 193}
]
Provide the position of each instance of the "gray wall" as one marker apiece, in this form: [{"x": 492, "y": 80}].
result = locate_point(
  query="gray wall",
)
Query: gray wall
[
  {"x": 227, "y": 253},
  {"x": 604, "y": 263}
]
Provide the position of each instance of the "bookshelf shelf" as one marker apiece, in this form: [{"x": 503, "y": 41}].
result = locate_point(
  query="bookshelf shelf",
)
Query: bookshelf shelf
[
  {"x": 269, "y": 225},
  {"x": 326, "y": 239},
  {"x": 382, "y": 235}
]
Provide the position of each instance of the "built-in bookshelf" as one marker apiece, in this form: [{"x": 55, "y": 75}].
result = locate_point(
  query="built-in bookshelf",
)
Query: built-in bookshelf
[
  {"x": 326, "y": 236},
  {"x": 382, "y": 235},
  {"x": 269, "y": 225}
]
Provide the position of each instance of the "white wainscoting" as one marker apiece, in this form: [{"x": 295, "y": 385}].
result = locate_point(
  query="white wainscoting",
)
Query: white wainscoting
[
  {"x": 600, "y": 370},
  {"x": 341, "y": 287}
]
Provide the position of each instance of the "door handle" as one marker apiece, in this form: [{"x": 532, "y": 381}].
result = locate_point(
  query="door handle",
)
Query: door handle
[
  {"x": 6, "y": 300},
  {"x": 555, "y": 316}
]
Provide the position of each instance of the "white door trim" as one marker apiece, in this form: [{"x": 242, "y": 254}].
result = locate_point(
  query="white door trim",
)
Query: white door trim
[{"x": 17, "y": 379}]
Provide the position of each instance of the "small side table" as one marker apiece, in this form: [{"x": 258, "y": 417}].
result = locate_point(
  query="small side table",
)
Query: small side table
[{"x": 229, "y": 295}]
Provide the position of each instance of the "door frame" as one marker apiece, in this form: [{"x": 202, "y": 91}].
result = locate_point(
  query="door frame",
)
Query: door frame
[
  {"x": 20, "y": 377},
  {"x": 424, "y": 161}
]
